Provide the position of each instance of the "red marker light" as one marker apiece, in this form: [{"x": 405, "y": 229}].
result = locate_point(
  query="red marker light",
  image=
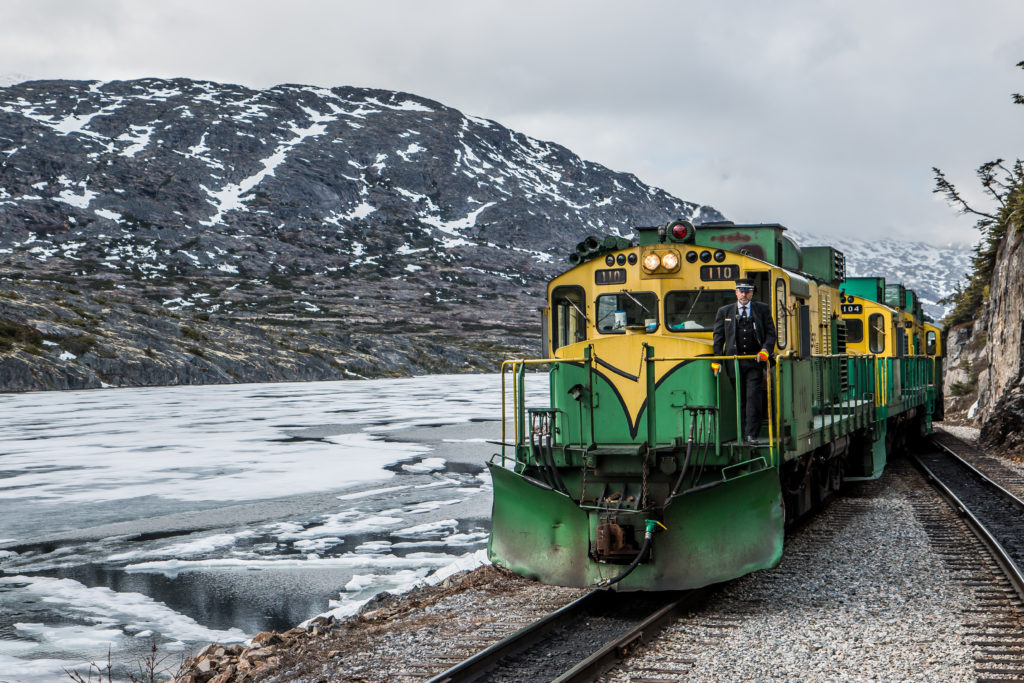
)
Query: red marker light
[{"x": 679, "y": 231}]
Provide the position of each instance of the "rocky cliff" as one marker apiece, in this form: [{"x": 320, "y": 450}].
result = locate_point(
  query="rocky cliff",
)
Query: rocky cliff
[
  {"x": 1000, "y": 398},
  {"x": 985, "y": 356}
]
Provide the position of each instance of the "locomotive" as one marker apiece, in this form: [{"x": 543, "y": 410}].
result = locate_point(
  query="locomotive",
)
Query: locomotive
[{"x": 634, "y": 475}]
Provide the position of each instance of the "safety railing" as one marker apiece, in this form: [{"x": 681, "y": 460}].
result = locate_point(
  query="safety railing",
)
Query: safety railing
[
  {"x": 519, "y": 390},
  {"x": 735, "y": 360},
  {"x": 842, "y": 395}
]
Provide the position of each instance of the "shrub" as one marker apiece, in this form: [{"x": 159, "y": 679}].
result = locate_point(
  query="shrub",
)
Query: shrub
[
  {"x": 963, "y": 388},
  {"x": 16, "y": 332},
  {"x": 191, "y": 333},
  {"x": 79, "y": 344}
]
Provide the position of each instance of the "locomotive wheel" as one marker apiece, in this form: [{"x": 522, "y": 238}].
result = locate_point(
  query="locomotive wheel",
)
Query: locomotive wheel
[
  {"x": 835, "y": 475},
  {"x": 822, "y": 480}
]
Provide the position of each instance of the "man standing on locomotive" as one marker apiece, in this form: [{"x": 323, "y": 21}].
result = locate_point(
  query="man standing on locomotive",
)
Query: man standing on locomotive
[{"x": 745, "y": 328}]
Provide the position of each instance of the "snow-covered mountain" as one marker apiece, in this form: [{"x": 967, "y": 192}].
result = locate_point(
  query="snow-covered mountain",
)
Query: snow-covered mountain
[
  {"x": 932, "y": 272},
  {"x": 352, "y": 175},
  {"x": 166, "y": 231}
]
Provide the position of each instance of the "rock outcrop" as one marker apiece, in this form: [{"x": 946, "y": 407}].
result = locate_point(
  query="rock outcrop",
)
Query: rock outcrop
[
  {"x": 984, "y": 377},
  {"x": 1001, "y": 384}
]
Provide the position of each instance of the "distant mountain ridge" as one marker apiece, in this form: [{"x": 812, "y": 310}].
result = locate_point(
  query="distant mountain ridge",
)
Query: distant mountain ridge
[
  {"x": 932, "y": 272},
  {"x": 175, "y": 231}
]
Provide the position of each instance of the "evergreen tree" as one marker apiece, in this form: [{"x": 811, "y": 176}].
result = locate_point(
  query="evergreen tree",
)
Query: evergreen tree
[{"x": 1005, "y": 185}]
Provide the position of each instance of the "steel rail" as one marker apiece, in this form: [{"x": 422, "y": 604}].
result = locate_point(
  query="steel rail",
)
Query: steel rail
[
  {"x": 606, "y": 656},
  {"x": 486, "y": 659},
  {"x": 615, "y": 650},
  {"x": 996, "y": 550},
  {"x": 1017, "y": 502}
]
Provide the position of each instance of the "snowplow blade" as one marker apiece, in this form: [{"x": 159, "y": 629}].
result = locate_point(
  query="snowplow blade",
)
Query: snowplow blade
[{"x": 712, "y": 535}]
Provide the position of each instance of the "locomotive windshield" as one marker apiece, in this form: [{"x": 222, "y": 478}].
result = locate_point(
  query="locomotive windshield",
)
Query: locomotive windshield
[
  {"x": 695, "y": 310},
  {"x": 616, "y": 312}
]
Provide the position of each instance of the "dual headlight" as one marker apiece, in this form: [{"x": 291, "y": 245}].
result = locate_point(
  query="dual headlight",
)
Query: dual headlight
[{"x": 661, "y": 261}]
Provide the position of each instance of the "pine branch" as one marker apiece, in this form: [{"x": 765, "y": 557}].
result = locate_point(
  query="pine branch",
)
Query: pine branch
[
  {"x": 992, "y": 184},
  {"x": 944, "y": 187}
]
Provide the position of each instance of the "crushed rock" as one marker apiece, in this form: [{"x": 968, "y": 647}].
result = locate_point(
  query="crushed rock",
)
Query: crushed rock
[{"x": 393, "y": 638}]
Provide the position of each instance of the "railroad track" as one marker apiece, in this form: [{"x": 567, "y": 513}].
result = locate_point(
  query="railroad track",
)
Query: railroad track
[
  {"x": 578, "y": 642},
  {"x": 990, "y": 623},
  {"x": 994, "y": 514},
  {"x": 996, "y": 518}
]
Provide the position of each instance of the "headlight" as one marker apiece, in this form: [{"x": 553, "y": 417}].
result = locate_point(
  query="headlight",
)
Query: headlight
[
  {"x": 651, "y": 262},
  {"x": 670, "y": 261}
]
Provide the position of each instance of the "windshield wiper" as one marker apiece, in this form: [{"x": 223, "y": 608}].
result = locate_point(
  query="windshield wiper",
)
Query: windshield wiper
[
  {"x": 568, "y": 301},
  {"x": 694, "y": 304},
  {"x": 637, "y": 302}
]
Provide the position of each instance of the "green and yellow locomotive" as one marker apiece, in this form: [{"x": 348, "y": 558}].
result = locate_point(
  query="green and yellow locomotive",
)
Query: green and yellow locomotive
[{"x": 633, "y": 474}]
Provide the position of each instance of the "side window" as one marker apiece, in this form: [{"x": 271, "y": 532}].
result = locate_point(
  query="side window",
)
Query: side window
[
  {"x": 854, "y": 330},
  {"x": 781, "y": 318},
  {"x": 930, "y": 337},
  {"x": 876, "y": 333},
  {"x": 568, "y": 316},
  {"x": 616, "y": 312}
]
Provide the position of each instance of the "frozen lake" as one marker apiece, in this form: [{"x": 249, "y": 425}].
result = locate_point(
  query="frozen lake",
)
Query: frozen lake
[{"x": 197, "y": 514}]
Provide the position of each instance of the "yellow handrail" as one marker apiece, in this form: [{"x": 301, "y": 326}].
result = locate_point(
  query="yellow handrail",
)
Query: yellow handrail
[
  {"x": 771, "y": 434},
  {"x": 774, "y": 448},
  {"x": 515, "y": 364}
]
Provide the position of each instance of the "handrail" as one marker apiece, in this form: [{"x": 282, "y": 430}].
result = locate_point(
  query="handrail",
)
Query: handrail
[
  {"x": 778, "y": 411},
  {"x": 771, "y": 434},
  {"x": 524, "y": 362},
  {"x": 772, "y": 389}
]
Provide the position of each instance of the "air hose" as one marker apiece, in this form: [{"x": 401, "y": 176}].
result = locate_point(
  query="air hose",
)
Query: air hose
[{"x": 652, "y": 526}]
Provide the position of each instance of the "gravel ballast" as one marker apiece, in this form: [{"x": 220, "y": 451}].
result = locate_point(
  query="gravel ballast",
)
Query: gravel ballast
[{"x": 859, "y": 595}]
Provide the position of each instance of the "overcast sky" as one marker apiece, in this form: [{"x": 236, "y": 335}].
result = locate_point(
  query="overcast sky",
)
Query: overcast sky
[{"x": 825, "y": 116}]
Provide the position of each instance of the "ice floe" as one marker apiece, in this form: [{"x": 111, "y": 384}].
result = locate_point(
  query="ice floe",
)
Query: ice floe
[{"x": 103, "y": 608}]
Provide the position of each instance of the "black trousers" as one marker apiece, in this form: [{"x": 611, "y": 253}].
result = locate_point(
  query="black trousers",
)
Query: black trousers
[{"x": 752, "y": 385}]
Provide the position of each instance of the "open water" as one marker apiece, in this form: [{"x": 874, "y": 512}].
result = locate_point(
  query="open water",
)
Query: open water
[{"x": 187, "y": 515}]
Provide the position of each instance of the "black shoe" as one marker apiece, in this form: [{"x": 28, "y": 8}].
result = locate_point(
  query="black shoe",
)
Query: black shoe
[{"x": 752, "y": 440}]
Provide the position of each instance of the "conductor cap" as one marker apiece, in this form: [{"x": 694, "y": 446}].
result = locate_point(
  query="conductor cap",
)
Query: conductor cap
[{"x": 745, "y": 284}]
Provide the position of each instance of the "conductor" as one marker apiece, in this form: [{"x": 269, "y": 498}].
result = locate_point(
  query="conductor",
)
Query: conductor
[{"x": 745, "y": 328}]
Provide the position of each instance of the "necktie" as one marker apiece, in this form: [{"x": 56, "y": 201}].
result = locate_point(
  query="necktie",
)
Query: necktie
[{"x": 743, "y": 313}]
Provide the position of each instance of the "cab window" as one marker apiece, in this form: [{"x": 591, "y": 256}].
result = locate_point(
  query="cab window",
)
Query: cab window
[
  {"x": 930, "y": 342},
  {"x": 876, "y": 333},
  {"x": 695, "y": 310},
  {"x": 616, "y": 312},
  {"x": 781, "y": 324},
  {"x": 854, "y": 330},
  {"x": 568, "y": 316}
]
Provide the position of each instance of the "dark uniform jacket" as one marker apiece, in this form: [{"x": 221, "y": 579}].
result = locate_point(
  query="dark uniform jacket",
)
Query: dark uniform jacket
[{"x": 725, "y": 330}]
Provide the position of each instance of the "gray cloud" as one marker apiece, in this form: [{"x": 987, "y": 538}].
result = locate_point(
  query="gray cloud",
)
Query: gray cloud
[{"x": 825, "y": 116}]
